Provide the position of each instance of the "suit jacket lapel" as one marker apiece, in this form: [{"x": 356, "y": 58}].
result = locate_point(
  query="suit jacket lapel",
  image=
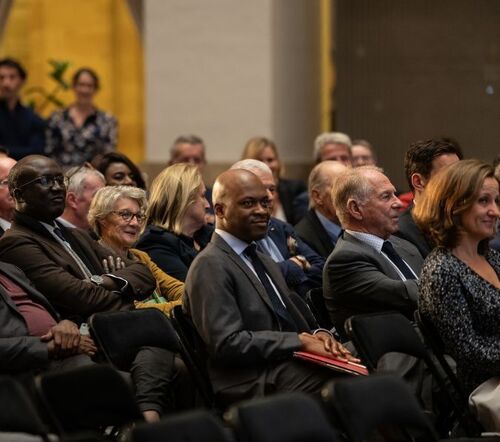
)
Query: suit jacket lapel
[{"x": 325, "y": 241}]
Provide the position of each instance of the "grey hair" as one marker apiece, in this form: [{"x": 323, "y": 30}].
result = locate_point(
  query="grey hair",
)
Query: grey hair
[
  {"x": 77, "y": 178},
  {"x": 105, "y": 199},
  {"x": 322, "y": 176},
  {"x": 329, "y": 138},
  {"x": 352, "y": 184},
  {"x": 252, "y": 165}
]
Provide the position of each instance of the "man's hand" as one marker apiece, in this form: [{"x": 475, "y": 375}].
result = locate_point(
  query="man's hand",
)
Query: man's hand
[
  {"x": 63, "y": 339},
  {"x": 301, "y": 261},
  {"x": 324, "y": 345},
  {"x": 87, "y": 346}
]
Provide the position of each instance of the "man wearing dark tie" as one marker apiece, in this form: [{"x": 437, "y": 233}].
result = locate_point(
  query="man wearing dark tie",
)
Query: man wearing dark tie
[
  {"x": 240, "y": 303},
  {"x": 369, "y": 270}
]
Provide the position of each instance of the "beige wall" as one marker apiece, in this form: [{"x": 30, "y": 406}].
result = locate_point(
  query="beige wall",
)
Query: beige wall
[{"x": 227, "y": 71}]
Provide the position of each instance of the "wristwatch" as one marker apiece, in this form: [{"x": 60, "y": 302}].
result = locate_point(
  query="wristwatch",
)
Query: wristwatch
[{"x": 97, "y": 279}]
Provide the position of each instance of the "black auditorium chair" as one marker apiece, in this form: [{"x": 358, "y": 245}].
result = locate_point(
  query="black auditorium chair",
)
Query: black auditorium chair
[
  {"x": 194, "y": 355},
  {"x": 18, "y": 412},
  {"x": 195, "y": 426},
  {"x": 289, "y": 417},
  {"x": 382, "y": 405},
  {"x": 374, "y": 335},
  {"x": 89, "y": 398},
  {"x": 316, "y": 302}
]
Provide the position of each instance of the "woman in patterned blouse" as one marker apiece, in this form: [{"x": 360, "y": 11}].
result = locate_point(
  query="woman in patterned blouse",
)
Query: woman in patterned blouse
[
  {"x": 459, "y": 283},
  {"x": 80, "y": 132}
]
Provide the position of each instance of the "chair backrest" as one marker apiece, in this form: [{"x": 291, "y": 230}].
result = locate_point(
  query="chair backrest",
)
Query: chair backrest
[
  {"x": 316, "y": 302},
  {"x": 120, "y": 334},
  {"x": 376, "y": 334},
  {"x": 88, "y": 398},
  {"x": 199, "y": 426},
  {"x": 19, "y": 414},
  {"x": 363, "y": 405},
  {"x": 291, "y": 417},
  {"x": 194, "y": 354}
]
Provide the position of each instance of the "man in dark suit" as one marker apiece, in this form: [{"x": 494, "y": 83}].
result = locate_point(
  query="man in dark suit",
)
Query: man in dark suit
[
  {"x": 369, "y": 270},
  {"x": 64, "y": 264},
  {"x": 422, "y": 160},
  {"x": 243, "y": 311},
  {"x": 301, "y": 266},
  {"x": 320, "y": 228},
  {"x": 32, "y": 336}
]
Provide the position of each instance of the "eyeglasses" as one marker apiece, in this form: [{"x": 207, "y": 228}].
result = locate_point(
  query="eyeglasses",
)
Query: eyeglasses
[
  {"x": 128, "y": 216},
  {"x": 47, "y": 181}
]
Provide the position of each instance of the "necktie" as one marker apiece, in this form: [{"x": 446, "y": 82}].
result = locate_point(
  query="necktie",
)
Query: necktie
[
  {"x": 388, "y": 249},
  {"x": 286, "y": 321},
  {"x": 86, "y": 272}
]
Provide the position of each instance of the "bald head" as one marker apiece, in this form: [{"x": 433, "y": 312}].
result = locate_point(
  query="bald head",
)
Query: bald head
[
  {"x": 6, "y": 201},
  {"x": 241, "y": 205},
  {"x": 37, "y": 185}
]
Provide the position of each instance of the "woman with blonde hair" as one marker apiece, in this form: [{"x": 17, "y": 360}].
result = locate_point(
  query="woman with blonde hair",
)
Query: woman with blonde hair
[
  {"x": 117, "y": 216},
  {"x": 285, "y": 201},
  {"x": 176, "y": 219},
  {"x": 459, "y": 283}
]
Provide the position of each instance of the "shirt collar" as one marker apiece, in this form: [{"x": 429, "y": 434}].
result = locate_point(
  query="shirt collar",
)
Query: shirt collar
[
  {"x": 236, "y": 244},
  {"x": 332, "y": 228},
  {"x": 368, "y": 238}
]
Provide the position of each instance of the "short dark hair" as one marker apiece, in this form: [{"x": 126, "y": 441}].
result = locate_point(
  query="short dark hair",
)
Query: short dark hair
[
  {"x": 89, "y": 71},
  {"x": 11, "y": 63},
  {"x": 419, "y": 157},
  {"x": 102, "y": 162}
]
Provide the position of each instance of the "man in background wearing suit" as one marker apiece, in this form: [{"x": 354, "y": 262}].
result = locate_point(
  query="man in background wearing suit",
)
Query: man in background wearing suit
[
  {"x": 320, "y": 227},
  {"x": 422, "y": 160},
  {"x": 369, "y": 270},
  {"x": 239, "y": 303}
]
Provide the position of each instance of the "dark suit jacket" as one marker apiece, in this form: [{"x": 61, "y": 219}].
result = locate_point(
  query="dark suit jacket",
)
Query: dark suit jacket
[
  {"x": 357, "y": 279},
  {"x": 234, "y": 315},
  {"x": 28, "y": 245},
  {"x": 288, "y": 190},
  {"x": 172, "y": 253},
  {"x": 19, "y": 351},
  {"x": 297, "y": 279},
  {"x": 409, "y": 231},
  {"x": 312, "y": 232}
]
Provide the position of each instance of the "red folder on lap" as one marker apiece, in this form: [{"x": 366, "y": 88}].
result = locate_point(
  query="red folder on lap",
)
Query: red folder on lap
[{"x": 334, "y": 364}]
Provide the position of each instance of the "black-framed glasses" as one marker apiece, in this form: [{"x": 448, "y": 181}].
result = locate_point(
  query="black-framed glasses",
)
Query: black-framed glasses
[
  {"x": 128, "y": 216},
  {"x": 47, "y": 181}
]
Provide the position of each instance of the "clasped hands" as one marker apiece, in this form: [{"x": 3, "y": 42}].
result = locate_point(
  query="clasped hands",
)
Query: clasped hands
[
  {"x": 323, "y": 344},
  {"x": 64, "y": 340}
]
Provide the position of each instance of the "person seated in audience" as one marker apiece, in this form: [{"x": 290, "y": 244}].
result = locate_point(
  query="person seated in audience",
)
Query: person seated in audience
[
  {"x": 459, "y": 284},
  {"x": 240, "y": 305},
  {"x": 422, "y": 160},
  {"x": 77, "y": 275},
  {"x": 117, "y": 216},
  {"x": 495, "y": 242},
  {"x": 369, "y": 270},
  {"x": 363, "y": 154},
  {"x": 320, "y": 227},
  {"x": 302, "y": 268},
  {"x": 333, "y": 146},
  {"x": 32, "y": 335},
  {"x": 328, "y": 146},
  {"x": 65, "y": 264},
  {"x": 22, "y": 131},
  {"x": 119, "y": 170},
  {"x": 265, "y": 150},
  {"x": 82, "y": 184},
  {"x": 176, "y": 225},
  {"x": 6, "y": 201},
  {"x": 79, "y": 132}
]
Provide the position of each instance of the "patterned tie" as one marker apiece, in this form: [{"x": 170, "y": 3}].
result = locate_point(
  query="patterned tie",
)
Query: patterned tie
[
  {"x": 286, "y": 321},
  {"x": 388, "y": 249}
]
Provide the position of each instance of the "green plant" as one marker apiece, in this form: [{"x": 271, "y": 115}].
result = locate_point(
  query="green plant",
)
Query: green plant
[{"x": 59, "y": 69}]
